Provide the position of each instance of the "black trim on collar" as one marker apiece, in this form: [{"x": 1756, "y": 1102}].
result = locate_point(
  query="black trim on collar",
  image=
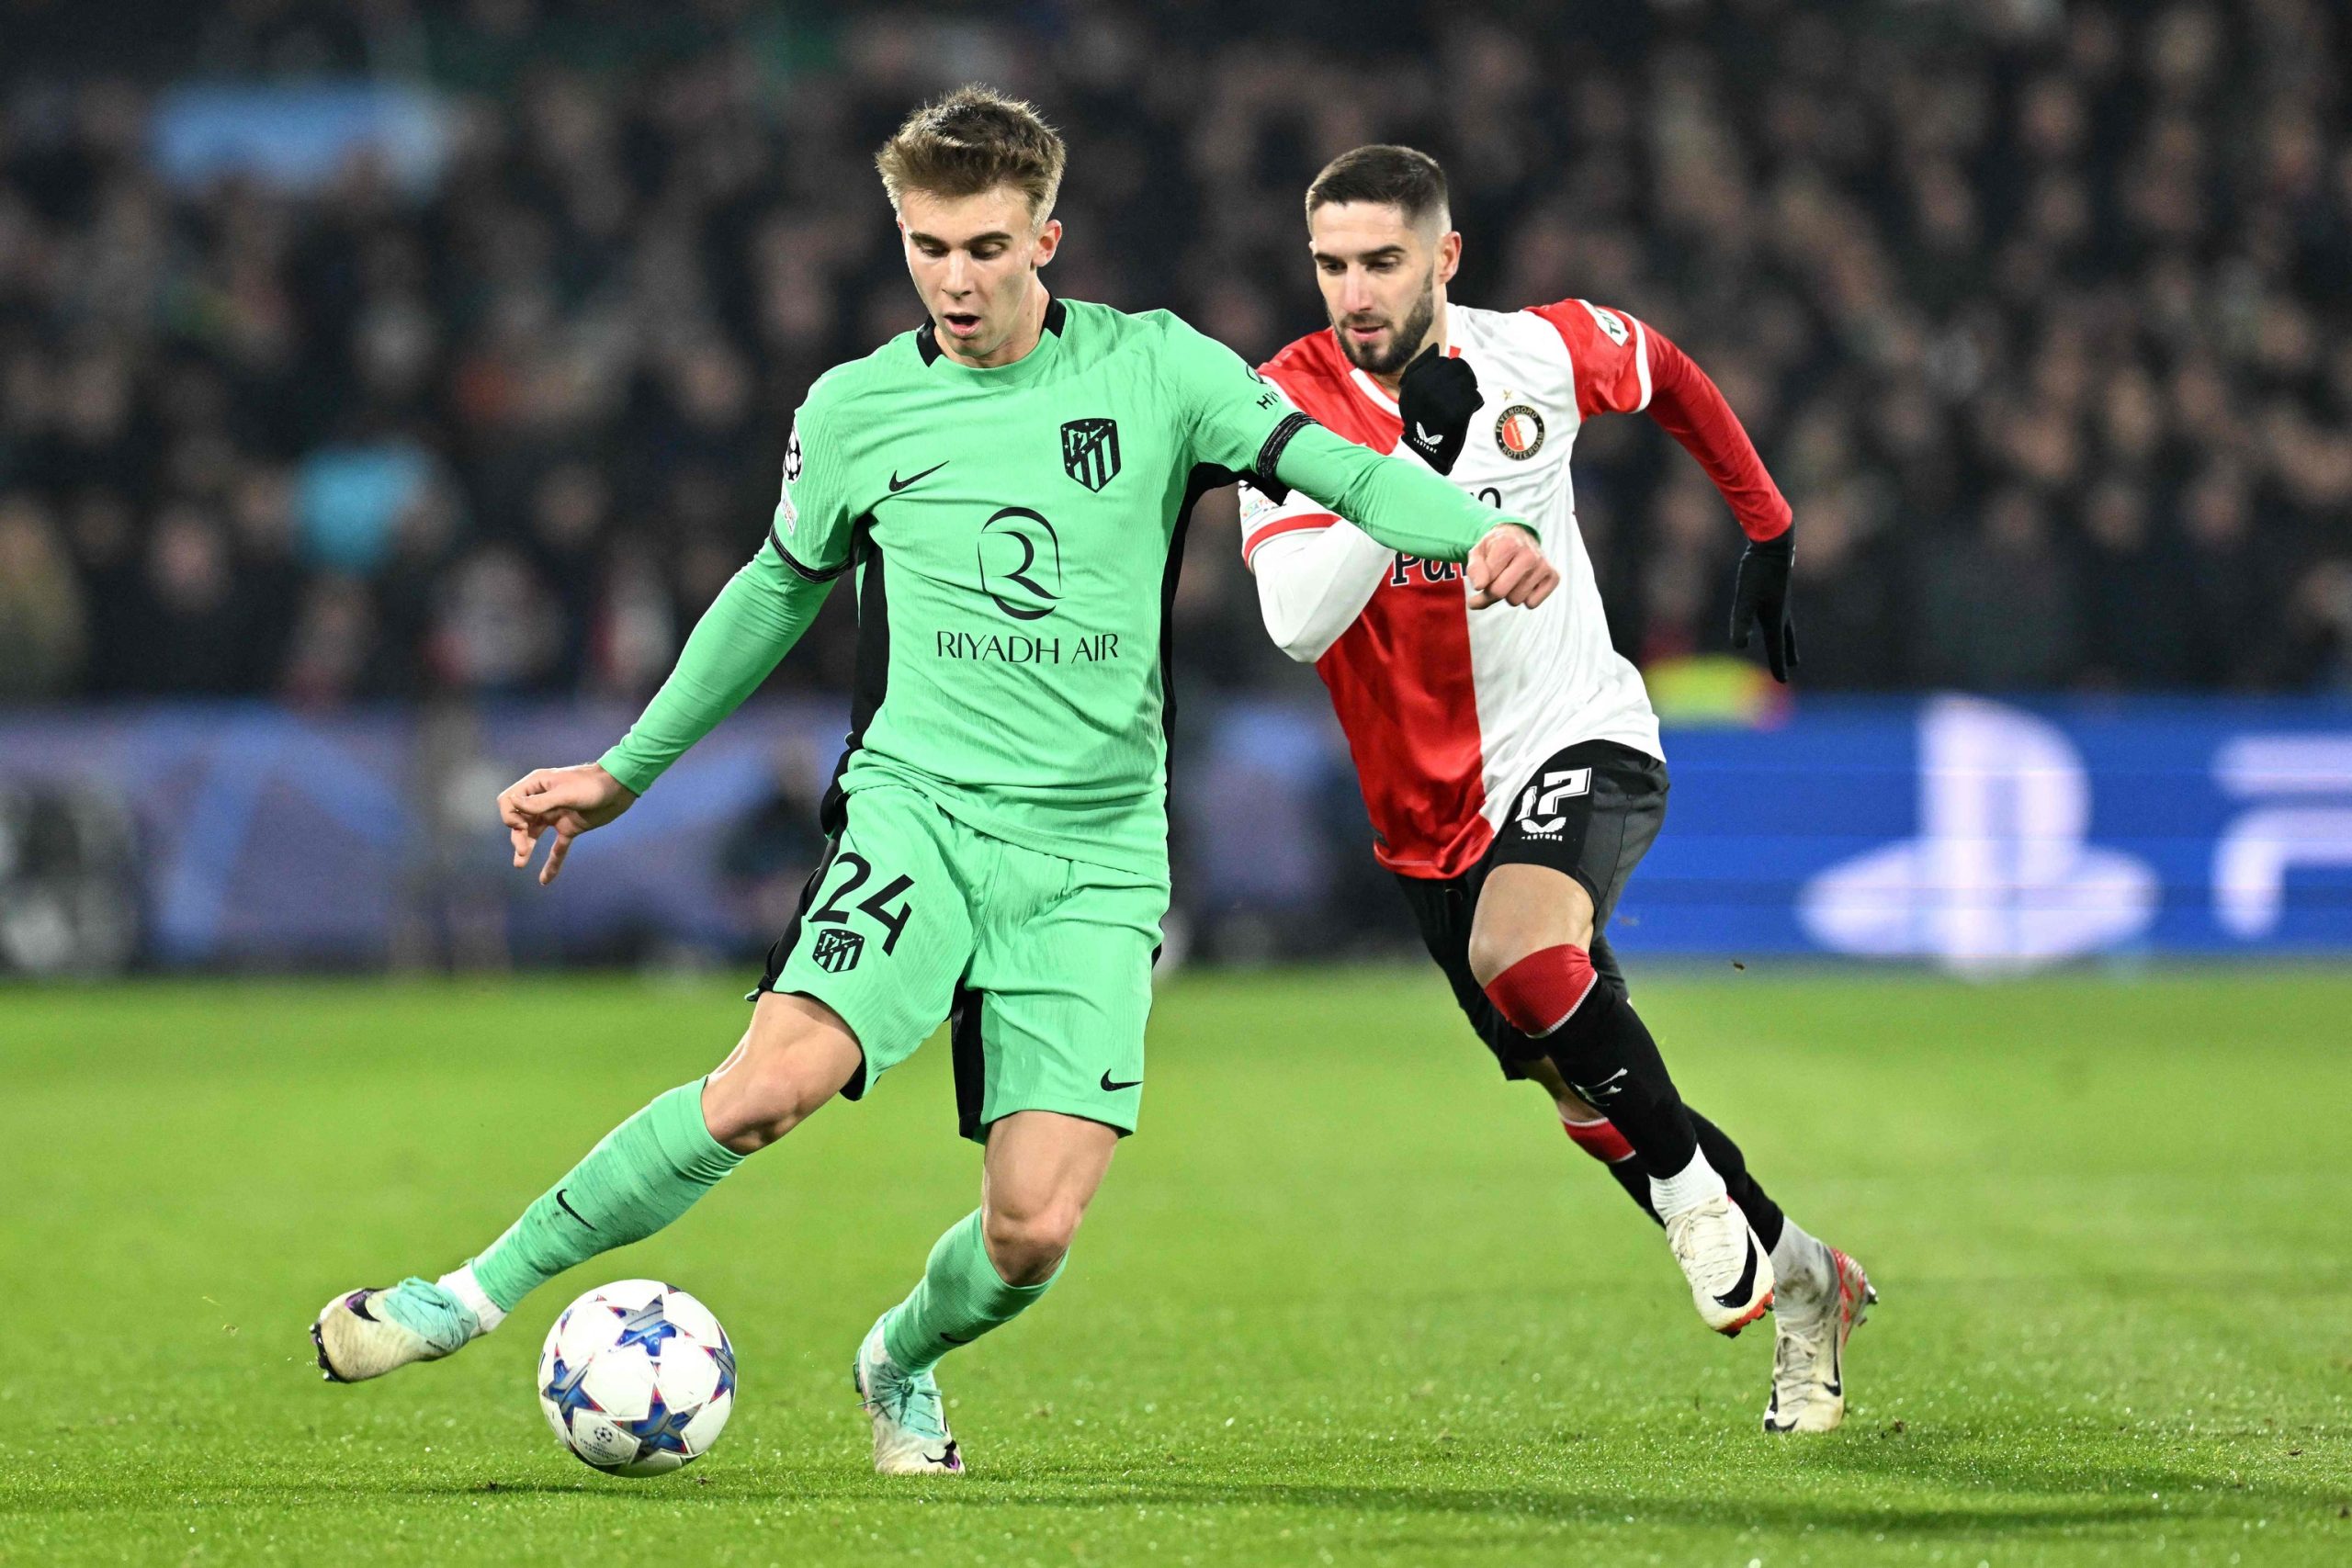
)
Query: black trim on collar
[
  {"x": 809, "y": 572},
  {"x": 927, "y": 334}
]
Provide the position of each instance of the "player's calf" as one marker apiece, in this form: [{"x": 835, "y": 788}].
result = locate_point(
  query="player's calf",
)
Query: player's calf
[{"x": 1605, "y": 1054}]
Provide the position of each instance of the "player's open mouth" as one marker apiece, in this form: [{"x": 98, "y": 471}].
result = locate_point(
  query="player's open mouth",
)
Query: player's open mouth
[
  {"x": 1364, "y": 333},
  {"x": 963, "y": 324}
]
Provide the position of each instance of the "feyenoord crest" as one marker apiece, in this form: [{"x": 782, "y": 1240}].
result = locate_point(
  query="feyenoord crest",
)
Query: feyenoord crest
[
  {"x": 1090, "y": 451},
  {"x": 837, "y": 949},
  {"x": 1520, "y": 433}
]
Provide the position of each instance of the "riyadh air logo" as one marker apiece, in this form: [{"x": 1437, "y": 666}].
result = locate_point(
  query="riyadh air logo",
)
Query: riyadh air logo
[
  {"x": 1518, "y": 433},
  {"x": 837, "y": 950},
  {"x": 1021, "y": 563},
  {"x": 1090, "y": 451}
]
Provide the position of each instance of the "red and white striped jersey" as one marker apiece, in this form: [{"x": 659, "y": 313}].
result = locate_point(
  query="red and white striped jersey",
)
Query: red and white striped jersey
[{"x": 1448, "y": 710}]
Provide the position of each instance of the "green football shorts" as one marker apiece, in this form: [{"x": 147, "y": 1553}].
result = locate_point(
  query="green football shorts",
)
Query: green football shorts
[{"x": 1043, "y": 964}]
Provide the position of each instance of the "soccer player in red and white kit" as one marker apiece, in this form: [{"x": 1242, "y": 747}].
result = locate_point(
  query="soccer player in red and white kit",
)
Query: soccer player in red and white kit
[{"x": 1511, "y": 764}]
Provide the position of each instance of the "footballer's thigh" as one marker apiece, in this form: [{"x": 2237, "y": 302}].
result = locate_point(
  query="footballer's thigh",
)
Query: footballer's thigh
[
  {"x": 884, "y": 932},
  {"x": 1525, "y": 908},
  {"x": 1579, "y": 825},
  {"x": 1059, "y": 994}
]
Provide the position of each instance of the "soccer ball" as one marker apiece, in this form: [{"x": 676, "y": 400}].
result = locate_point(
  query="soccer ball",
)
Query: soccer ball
[{"x": 636, "y": 1378}]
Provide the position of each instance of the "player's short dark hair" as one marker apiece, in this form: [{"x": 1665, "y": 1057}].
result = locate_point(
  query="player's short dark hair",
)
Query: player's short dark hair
[
  {"x": 974, "y": 140},
  {"x": 1402, "y": 177}
]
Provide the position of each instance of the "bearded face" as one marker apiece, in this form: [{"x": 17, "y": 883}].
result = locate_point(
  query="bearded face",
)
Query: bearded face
[{"x": 1372, "y": 341}]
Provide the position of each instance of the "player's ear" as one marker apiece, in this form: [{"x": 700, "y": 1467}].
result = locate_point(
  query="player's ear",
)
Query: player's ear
[
  {"x": 1449, "y": 254},
  {"x": 1049, "y": 240}
]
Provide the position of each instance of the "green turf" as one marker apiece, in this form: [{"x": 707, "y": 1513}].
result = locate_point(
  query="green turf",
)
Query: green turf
[{"x": 1347, "y": 1299}]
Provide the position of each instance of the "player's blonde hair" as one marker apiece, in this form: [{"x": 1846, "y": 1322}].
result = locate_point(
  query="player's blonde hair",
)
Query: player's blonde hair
[{"x": 974, "y": 140}]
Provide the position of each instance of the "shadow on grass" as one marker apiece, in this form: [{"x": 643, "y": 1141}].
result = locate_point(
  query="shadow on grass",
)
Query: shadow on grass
[{"x": 2024, "y": 1497}]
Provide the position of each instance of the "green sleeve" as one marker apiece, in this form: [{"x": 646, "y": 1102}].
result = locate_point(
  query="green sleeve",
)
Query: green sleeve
[
  {"x": 749, "y": 627},
  {"x": 1240, "y": 421},
  {"x": 1231, "y": 413},
  {"x": 1405, "y": 507}
]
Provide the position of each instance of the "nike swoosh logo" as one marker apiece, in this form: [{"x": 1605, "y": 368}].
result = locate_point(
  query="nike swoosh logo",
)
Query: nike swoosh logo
[
  {"x": 1607, "y": 1089},
  {"x": 898, "y": 484},
  {"x": 1111, "y": 1085},
  {"x": 569, "y": 1210},
  {"x": 1737, "y": 1294}
]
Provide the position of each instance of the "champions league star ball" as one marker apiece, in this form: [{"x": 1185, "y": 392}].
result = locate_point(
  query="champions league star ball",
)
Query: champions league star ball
[{"x": 636, "y": 1378}]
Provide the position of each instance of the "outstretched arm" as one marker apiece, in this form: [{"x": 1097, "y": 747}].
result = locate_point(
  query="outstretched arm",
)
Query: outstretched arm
[
  {"x": 745, "y": 635},
  {"x": 1410, "y": 509},
  {"x": 1242, "y": 424},
  {"x": 747, "y": 630},
  {"x": 1404, "y": 507},
  {"x": 749, "y": 627}
]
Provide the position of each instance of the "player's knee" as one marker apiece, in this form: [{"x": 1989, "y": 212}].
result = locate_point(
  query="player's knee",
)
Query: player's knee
[
  {"x": 1543, "y": 990},
  {"x": 1026, "y": 1242},
  {"x": 1492, "y": 952}
]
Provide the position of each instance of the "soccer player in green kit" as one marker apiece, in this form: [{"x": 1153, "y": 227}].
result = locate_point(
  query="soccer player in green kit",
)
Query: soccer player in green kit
[{"x": 1008, "y": 487}]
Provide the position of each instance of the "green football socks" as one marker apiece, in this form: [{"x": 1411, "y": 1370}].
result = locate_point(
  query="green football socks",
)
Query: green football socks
[
  {"x": 646, "y": 1172},
  {"x": 960, "y": 1297}
]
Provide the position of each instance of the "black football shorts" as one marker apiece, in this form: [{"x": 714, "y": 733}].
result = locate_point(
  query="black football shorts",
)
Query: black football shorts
[{"x": 1591, "y": 810}]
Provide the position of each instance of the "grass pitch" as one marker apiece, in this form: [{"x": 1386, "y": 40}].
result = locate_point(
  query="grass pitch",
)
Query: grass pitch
[{"x": 1347, "y": 1299}]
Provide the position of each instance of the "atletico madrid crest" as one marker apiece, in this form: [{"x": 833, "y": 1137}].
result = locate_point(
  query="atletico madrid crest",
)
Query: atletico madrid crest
[
  {"x": 1520, "y": 433},
  {"x": 1090, "y": 451}
]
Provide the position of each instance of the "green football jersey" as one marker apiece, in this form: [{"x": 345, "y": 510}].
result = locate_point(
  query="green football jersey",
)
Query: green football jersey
[
  {"x": 1013, "y": 535},
  {"x": 1012, "y": 532}
]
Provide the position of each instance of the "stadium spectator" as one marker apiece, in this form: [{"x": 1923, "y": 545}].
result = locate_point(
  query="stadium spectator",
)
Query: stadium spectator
[
  {"x": 42, "y": 621},
  {"x": 2043, "y": 310}
]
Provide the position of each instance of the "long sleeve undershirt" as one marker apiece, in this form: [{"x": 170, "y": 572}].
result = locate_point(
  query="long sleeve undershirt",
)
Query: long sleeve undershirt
[{"x": 1687, "y": 405}]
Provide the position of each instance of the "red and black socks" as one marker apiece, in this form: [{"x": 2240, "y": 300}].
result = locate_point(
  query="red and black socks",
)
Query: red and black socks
[{"x": 1600, "y": 1046}]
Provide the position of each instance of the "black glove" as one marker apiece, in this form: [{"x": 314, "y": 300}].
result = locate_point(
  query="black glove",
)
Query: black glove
[
  {"x": 1763, "y": 594},
  {"x": 1436, "y": 399}
]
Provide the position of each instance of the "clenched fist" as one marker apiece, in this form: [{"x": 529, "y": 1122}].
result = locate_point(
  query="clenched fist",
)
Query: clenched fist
[{"x": 1508, "y": 567}]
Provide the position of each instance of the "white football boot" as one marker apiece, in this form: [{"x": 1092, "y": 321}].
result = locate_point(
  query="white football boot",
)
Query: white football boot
[
  {"x": 910, "y": 1435},
  {"x": 1809, "y": 1352},
  {"x": 364, "y": 1333},
  {"x": 1730, "y": 1272}
]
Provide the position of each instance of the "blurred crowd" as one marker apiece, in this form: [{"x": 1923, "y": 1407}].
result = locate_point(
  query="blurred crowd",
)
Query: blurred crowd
[{"x": 2037, "y": 311}]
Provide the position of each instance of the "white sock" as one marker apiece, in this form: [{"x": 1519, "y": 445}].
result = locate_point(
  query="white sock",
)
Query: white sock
[
  {"x": 1801, "y": 1264},
  {"x": 1686, "y": 1188},
  {"x": 467, "y": 1288}
]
